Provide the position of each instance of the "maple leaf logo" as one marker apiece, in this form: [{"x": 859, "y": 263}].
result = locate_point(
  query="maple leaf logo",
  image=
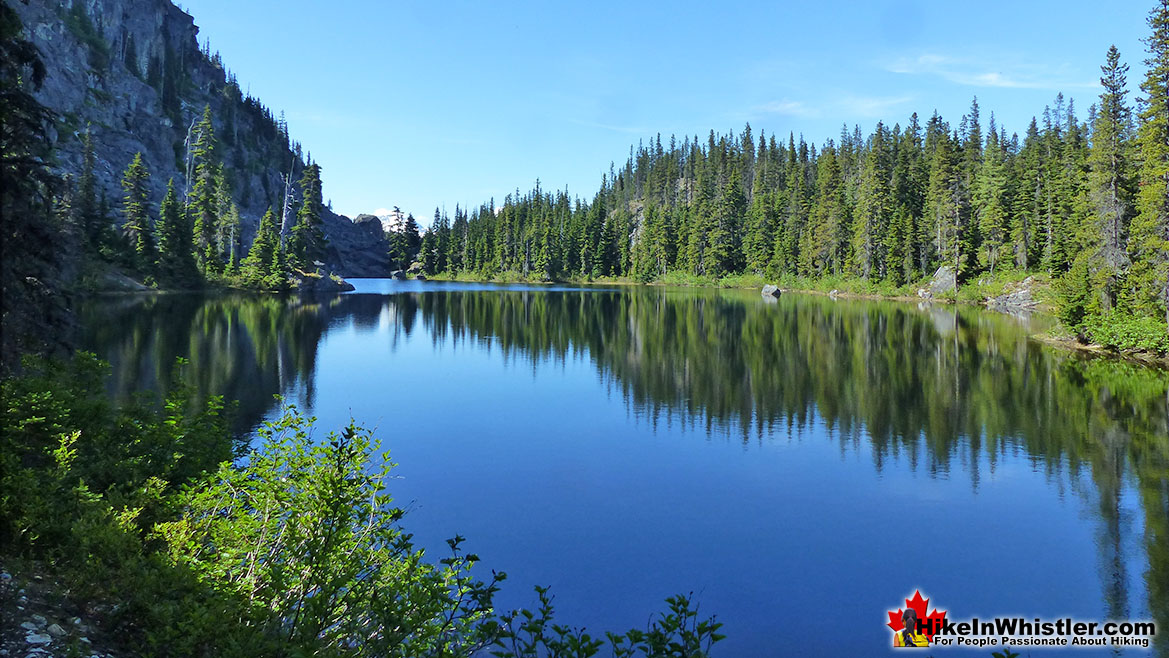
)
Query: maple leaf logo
[{"x": 930, "y": 623}]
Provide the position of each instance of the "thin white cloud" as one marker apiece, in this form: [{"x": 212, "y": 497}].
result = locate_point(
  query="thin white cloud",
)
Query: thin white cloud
[
  {"x": 841, "y": 105},
  {"x": 787, "y": 107},
  {"x": 971, "y": 73},
  {"x": 630, "y": 130}
]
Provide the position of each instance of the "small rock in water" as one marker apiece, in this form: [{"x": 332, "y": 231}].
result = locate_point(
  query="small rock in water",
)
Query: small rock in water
[
  {"x": 40, "y": 619},
  {"x": 770, "y": 291},
  {"x": 5, "y": 576},
  {"x": 28, "y": 626},
  {"x": 56, "y": 630}
]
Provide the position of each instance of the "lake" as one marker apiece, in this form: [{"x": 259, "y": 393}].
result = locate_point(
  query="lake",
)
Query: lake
[{"x": 802, "y": 465}]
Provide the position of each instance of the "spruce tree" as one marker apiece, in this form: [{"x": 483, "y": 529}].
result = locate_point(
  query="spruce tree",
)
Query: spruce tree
[
  {"x": 1149, "y": 241},
  {"x": 88, "y": 209},
  {"x": 201, "y": 201},
  {"x": 1104, "y": 237},
  {"x": 173, "y": 235},
  {"x": 306, "y": 244},
  {"x": 136, "y": 208}
]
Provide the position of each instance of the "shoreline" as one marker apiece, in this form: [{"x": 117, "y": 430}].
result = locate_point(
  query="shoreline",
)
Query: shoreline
[{"x": 1063, "y": 342}]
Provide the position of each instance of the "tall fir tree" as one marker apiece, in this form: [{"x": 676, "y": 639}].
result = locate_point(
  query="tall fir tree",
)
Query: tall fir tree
[
  {"x": 306, "y": 243},
  {"x": 1149, "y": 240},
  {"x": 201, "y": 201},
  {"x": 136, "y": 209}
]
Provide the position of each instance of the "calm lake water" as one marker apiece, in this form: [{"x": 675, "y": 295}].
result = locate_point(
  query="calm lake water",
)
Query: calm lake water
[{"x": 802, "y": 466}]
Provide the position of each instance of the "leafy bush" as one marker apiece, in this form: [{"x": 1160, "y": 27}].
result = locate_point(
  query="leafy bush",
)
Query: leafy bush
[{"x": 1127, "y": 333}]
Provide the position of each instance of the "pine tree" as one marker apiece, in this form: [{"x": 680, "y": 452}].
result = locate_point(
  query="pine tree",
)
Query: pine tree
[
  {"x": 1103, "y": 242},
  {"x": 201, "y": 201},
  {"x": 992, "y": 202},
  {"x": 136, "y": 208},
  {"x": 1027, "y": 203},
  {"x": 413, "y": 238},
  {"x": 874, "y": 207},
  {"x": 943, "y": 210},
  {"x": 1149, "y": 241},
  {"x": 88, "y": 211},
  {"x": 173, "y": 236},
  {"x": 263, "y": 266},
  {"x": 307, "y": 241}
]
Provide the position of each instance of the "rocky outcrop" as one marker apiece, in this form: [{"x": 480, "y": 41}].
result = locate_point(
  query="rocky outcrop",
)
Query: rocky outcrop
[
  {"x": 771, "y": 291},
  {"x": 131, "y": 72},
  {"x": 358, "y": 248},
  {"x": 318, "y": 283},
  {"x": 1016, "y": 298}
]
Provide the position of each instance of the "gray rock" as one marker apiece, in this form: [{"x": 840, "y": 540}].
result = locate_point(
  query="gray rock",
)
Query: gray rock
[
  {"x": 770, "y": 291},
  {"x": 56, "y": 631},
  {"x": 321, "y": 284},
  {"x": 29, "y": 626},
  {"x": 1017, "y": 299},
  {"x": 944, "y": 280},
  {"x": 38, "y": 638},
  {"x": 399, "y": 275},
  {"x": 40, "y": 619}
]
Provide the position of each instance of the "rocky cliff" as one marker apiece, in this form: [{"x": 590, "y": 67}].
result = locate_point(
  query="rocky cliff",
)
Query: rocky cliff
[{"x": 131, "y": 72}]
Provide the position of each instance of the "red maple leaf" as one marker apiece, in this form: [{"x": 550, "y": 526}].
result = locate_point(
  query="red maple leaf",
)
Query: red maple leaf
[{"x": 919, "y": 606}]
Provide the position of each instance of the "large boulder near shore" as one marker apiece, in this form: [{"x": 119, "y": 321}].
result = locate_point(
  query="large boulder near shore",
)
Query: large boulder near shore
[
  {"x": 945, "y": 280},
  {"x": 771, "y": 291},
  {"x": 1015, "y": 298},
  {"x": 400, "y": 275},
  {"x": 316, "y": 283}
]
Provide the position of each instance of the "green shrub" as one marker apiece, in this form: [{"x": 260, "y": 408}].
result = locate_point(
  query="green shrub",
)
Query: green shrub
[{"x": 1127, "y": 332}]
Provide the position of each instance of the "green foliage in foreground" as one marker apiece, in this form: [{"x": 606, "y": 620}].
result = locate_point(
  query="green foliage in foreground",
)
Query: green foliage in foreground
[{"x": 293, "y": 549}]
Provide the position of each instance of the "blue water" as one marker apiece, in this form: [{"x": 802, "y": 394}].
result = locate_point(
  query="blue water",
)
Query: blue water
[{"x": 801, "y": 467}]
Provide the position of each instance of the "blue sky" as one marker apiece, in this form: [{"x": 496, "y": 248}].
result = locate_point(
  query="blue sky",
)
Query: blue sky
[{"x": 426, "y": 104}]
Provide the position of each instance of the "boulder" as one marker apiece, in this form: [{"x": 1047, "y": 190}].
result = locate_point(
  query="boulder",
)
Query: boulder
[
  {"x": 770, "y": 291},
  {"x": 399, "y": 275},
  {"x": 321, "y": 284},
  {"x": 420, "y": 277},
  {"x": 945, "y": 280},
  {"x": 1016, "y": 298}
]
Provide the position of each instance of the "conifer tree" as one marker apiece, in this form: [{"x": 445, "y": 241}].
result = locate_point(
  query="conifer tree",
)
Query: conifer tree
[
  {"x": 263, "y": 266},
  {"x": 201, "y": 201},
  {"x": 136, "y": 208},
  {"x": 992, "y": 201},
  {"x": 306, "y": 244},
  {"x": 1102, "y": 240},
  {"x": 173, "y": 236},
  {"x": 1149, "y": 241},
  {"x": 88, "y": 209},
  {"x": 874, "y": 207}
]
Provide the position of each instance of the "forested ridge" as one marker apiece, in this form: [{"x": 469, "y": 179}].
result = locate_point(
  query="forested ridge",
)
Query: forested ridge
[{"x": 1081, "y": 199}]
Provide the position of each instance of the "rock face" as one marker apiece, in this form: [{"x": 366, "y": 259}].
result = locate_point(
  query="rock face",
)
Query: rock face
[
  {"x": 132, "y": 73},
  {"x": 770, "y": 291},
  {"x": 359, "y": 248}
]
